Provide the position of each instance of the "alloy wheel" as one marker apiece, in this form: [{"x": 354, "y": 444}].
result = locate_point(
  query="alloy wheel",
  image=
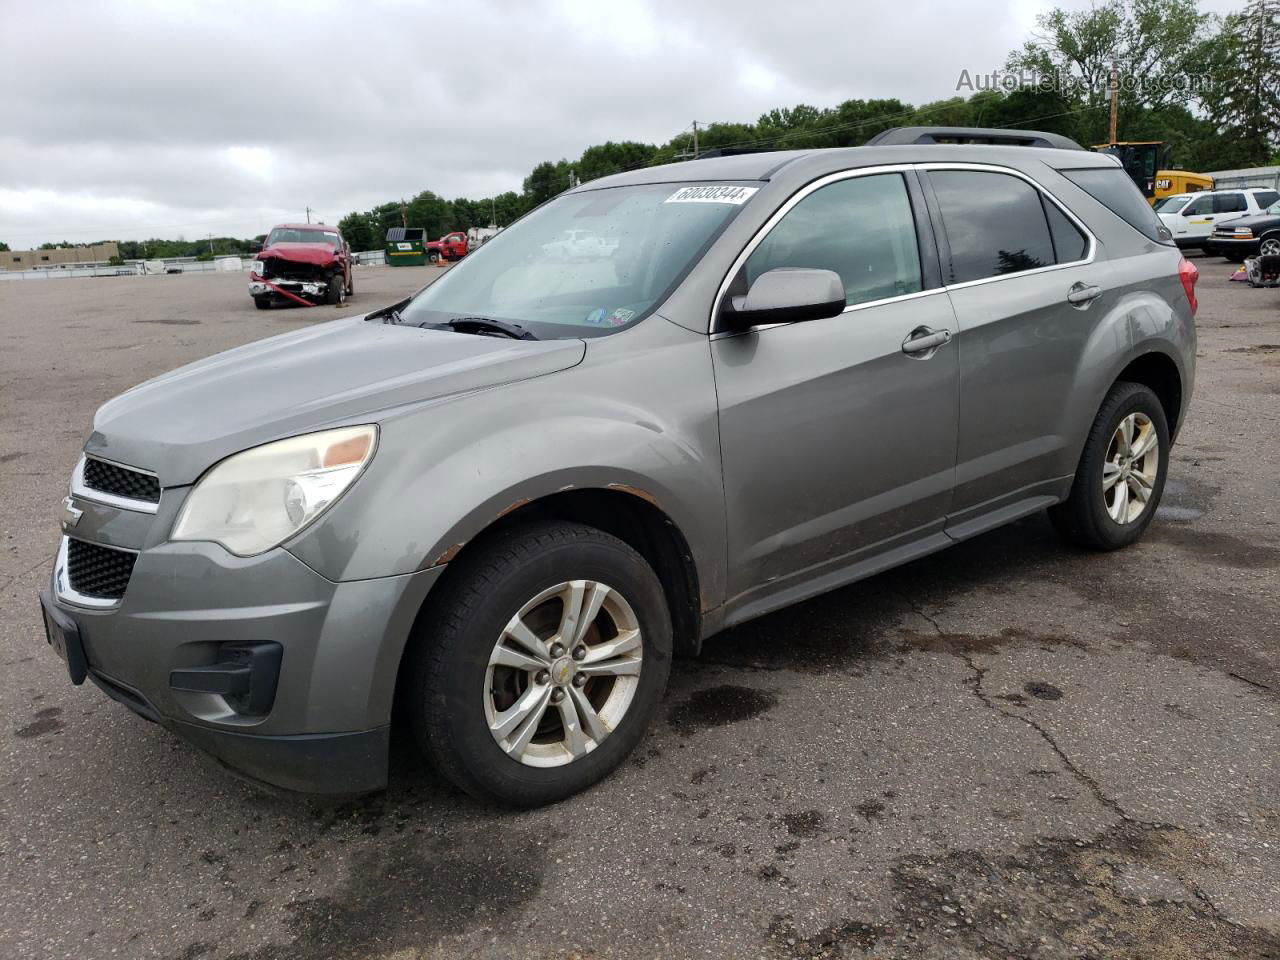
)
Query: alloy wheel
[
  {"x": 1270, "y": 247},
  {"x": 563, "y": 674},
  {"x": 1130, "y": 469}
]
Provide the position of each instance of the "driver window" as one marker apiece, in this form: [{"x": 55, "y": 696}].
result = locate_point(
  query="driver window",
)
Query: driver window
[
  {"x": 861, "y": 228},
  {"x": 1198, "y": 206}
]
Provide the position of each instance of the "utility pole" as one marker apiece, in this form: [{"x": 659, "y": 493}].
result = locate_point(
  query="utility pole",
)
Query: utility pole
[
  {"x": 493, "y": 213},
  {"x": 1115, "y": 100},
  {"x": 695, "y": 139},
  {"x": 211, "y": 244},
  {"x": 404, "y": 215},
  {"x": 308, "y": 214}
]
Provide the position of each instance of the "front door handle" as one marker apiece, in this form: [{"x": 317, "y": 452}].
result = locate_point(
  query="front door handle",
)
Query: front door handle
[
  {"x": 1082, "y": 295},
  {"x": 922, "y": 341}
]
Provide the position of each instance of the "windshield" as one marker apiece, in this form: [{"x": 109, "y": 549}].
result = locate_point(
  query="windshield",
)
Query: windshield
[
  {"x": 1171, "y": 204},
  {"x": 300, "y": 235},
  {"x": 585, "y": 264}
]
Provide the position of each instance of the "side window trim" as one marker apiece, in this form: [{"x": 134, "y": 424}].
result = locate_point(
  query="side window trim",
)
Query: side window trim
[
  {"x": 1091, "y": 249},
  {"x": 907, "y": 170}
]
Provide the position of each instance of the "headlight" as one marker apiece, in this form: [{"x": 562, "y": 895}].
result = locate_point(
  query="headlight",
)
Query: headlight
[{"x": 254, "y": 500}]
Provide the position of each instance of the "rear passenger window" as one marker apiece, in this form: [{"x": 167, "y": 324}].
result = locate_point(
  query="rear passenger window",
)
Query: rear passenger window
[
  {"x": 1112, "y": 187},
  {"x": 1229, "y": 203},
  {"x": 1069, "y": 244},
  {"x": 861, "y": 228},
  {"x": 994, "y": 222}
]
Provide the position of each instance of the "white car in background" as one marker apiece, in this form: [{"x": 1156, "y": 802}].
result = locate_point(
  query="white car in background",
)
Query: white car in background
[{"x": 1191, "y": 217}]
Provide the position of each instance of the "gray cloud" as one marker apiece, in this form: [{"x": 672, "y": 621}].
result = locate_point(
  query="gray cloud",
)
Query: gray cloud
[{"x": 136, "y": 119}]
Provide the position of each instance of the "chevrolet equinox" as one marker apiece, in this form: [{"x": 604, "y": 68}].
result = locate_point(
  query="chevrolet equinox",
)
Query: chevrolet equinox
[{"x": 661, "y": 404}]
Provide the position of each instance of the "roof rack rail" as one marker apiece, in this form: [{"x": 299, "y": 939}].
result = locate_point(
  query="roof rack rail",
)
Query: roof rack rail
[{"x": 899, "y": 136}]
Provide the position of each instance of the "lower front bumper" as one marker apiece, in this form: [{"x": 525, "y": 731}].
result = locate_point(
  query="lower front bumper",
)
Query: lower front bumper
[
  {"x": 308, "y": 289},
  {"x": 166, "y": 647},
  {"x": 330, "y": 764}
]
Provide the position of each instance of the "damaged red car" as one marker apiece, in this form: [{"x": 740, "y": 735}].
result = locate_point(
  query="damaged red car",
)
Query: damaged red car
[{"x": 301, "y": 261}]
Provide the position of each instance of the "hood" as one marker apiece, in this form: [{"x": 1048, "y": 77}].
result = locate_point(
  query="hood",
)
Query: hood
[
  {"x": 348, "y": 371},
  {"x": 1254, "y": 220},
  {"x": 321, "y": 254}
]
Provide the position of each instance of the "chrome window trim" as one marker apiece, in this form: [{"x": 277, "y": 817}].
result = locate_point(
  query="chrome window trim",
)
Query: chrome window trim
[
  {"x": 1010, "y": 171},
  {"x": 62, "y": 588},
  {"x": 768, "y": 225},
  {"x": 781, "y": 212},
  {"x": 82, "y": 492}
]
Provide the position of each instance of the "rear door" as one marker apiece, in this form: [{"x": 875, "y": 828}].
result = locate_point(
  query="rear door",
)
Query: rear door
[
  {"x": 1027, "y": 291},
  {"x": 837, "y": 443}
]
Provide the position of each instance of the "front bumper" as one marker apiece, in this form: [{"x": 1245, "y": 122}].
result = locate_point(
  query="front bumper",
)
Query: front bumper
[
  {"x": 1233, "y": 244},
  {"x": 191, "y": 607},
  {"x": 311, "y": 289}
]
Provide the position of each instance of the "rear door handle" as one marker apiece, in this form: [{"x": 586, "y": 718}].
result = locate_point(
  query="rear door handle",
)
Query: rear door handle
[
  {"x": 1081, "y": 294},
  {"x": 923, "y": 340}
]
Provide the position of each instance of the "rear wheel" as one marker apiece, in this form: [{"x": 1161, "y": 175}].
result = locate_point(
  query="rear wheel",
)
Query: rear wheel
[
  {"x": 541, "y": 665},
  {"x": 1121, "y": 474}
]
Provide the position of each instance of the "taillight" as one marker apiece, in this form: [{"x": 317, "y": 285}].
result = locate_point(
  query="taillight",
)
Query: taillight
[{"x": 1188, "y": 274}]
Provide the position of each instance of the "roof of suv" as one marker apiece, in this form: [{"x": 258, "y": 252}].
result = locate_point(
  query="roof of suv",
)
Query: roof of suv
[{"x": 765, "y": 165}]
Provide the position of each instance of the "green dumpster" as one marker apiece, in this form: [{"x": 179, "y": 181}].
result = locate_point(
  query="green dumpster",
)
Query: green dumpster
[{"x": 406, "y": 246}]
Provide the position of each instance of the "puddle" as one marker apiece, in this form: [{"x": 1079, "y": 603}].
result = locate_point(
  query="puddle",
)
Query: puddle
[{"x": 720, "y": 706}]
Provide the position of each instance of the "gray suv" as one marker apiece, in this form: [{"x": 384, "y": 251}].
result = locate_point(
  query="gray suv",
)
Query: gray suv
[{"x": 660, "y": 405}]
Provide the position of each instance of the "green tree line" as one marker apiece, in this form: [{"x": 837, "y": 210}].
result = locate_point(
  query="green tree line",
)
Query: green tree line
[{"x": 1207, "y": 85}]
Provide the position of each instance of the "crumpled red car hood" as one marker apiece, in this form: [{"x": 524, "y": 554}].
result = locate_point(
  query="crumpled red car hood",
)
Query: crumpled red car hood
[{"x": 318, "y": 253}]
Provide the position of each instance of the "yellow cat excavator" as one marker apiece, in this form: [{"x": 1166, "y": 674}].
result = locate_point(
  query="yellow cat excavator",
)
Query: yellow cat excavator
[{"x": 1148, "y": 163}]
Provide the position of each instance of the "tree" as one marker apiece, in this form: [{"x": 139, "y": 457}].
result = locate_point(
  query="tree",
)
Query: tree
[
  {"x": 1244, "y": 100},
  {"x": 545, "y": 181},
  {"x": 358, "y": 232},
  {"x": 4, "y": 247},
  {"x": 1158, "y": 46}
]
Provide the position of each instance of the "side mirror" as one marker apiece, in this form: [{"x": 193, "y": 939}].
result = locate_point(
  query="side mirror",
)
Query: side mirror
[
  {"x": 787, "y": 295},
  {"x": 255, "y": 246}
]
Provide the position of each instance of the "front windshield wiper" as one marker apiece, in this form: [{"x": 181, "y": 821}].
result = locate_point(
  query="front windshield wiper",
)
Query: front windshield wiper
[{"x": 486, "y": 327}]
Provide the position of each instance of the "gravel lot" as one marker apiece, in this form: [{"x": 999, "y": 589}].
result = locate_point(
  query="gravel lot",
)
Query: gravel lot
[{"x": 1010, "y": 749}]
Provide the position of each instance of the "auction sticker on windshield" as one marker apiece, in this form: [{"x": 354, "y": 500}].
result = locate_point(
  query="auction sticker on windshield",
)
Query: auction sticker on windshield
[{"x": 725, "y": 193}]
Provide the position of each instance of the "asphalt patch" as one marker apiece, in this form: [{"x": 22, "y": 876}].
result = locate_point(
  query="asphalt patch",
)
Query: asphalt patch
[
  {"x": 719, "y": 706},
  {"x": 45, "y": 721},
  {"x": 1218, "y": 548},
  {"x": 1043, "y": 691}
]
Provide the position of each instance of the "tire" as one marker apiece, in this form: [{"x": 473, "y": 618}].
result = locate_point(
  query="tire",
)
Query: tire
[
  {"x": 1088, "y": 516},
  {"x": 1269, "y": 246},
  {"x": 454, "y": 693},
  {"x": 262, "y": 303},
  {"x": 433, "y": 257},
  {"x": 335, "y": 292},
  {"x": 351, "y": 286}
]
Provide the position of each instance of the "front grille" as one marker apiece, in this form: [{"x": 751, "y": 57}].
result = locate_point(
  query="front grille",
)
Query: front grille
[
  {"x": 98, "y": 571},
  {"x": 120, "y": 481}
]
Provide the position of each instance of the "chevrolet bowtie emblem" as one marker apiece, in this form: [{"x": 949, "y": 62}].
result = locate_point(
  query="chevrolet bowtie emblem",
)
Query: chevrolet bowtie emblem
[{"x": 70, "y": 515}]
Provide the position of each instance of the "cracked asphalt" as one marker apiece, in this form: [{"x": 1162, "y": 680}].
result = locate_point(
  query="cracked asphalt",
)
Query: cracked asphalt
[{"x": 1009, "y": 749}]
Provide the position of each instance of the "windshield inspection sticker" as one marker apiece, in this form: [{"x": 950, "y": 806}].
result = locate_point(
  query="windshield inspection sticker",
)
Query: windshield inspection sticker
[{"x": 724, "y": 193}]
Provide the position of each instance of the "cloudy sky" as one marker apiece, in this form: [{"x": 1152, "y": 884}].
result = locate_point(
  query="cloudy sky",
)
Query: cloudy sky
[{"x": 132, "y": 120}]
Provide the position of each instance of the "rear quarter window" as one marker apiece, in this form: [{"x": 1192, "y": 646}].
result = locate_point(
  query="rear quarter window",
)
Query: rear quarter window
[
  {"x": 1266, "y": 198},
  {"x": 1112, "y": 188}
]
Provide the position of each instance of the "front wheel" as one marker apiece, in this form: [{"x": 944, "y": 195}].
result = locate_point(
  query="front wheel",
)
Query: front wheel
[
  {"x": 262, "y": 303},
  {"x": 1121, "y": 474},
  {"x": 1269, "y": 247},
  {"x": 433, "y": 257},
  {"x": 336, "y": 291},
  {"x": 541, "y": 664}
]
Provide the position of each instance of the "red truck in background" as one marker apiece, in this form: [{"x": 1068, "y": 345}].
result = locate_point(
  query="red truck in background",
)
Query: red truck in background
[
  {"x": 309, "y": 260},
  {"x": 452, "y": 246}
]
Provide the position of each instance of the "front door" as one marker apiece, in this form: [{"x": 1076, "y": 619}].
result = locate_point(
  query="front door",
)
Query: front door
[{"x": 837, "y": 436}]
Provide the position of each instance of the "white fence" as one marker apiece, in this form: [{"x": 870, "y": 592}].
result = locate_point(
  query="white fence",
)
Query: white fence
[{"x": 133, "y": 268}]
